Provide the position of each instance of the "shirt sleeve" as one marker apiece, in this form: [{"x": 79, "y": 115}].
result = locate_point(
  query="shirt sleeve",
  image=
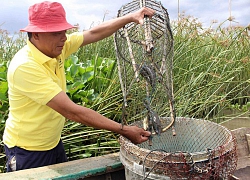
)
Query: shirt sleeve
[{"x": 74, "y": 41}]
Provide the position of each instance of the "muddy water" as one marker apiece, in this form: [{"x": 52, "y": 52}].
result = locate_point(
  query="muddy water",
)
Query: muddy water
[
  {"x": 235, "y": 119},
  {"x": 237, "y": 123}
]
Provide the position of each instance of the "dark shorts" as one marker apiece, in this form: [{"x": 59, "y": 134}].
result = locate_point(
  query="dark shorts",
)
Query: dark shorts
[{"x": 18, "y": 158}]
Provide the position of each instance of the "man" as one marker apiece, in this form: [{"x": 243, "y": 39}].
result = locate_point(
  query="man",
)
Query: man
[{"x": 37, "y": 85}]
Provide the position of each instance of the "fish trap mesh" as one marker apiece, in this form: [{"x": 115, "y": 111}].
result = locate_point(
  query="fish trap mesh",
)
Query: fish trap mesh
[
  {"x": 145, "y": 63},
  {"x": 201, "y": 150}
]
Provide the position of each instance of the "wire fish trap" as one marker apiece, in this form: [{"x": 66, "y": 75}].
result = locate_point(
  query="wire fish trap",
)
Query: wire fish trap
[
  {"x": 145, "y": 62},
  {"x": 201, "y": 150}
]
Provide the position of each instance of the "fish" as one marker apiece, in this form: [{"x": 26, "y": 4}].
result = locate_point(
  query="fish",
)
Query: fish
[
  {"x": 156, "y": 122},
  {"x": 152, "y": 121},
  {"x": 149, "y": 74}
]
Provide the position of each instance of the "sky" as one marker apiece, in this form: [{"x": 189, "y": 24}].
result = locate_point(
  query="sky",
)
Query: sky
[{"x": 88, "y": 13}]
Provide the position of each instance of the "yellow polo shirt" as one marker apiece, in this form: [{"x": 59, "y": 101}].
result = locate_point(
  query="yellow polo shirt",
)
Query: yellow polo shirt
[{"x": 33, "y": 80}]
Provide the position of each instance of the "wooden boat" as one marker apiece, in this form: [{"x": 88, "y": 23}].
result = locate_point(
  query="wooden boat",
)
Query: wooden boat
[
  {"x": 109, "y": 167},
  {"x": 243, "y": 150}
]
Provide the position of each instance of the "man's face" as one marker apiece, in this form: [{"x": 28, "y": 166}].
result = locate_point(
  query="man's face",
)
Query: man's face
[{"x": 51, "y": 43}]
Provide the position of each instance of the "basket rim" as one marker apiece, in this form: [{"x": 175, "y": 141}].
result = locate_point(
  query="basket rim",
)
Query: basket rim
[{"x": 226, "y": 147}]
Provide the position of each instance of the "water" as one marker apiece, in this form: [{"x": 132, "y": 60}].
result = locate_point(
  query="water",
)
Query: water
[
  {"x": 236, "y": 119},
  {"x": 237, "y": 123}
]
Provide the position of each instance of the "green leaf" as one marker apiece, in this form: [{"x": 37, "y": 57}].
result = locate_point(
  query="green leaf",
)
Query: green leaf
[
  {"x": 74, "y": 59},
  {"x": 75, "y": 87},
  {"x": 86, "y": 155},
  {"x": 88, "y": 76},
  {"x": 74, "y": 69},
  {"x": 3, "y": 90},
  {"x": 83, "y": 69},
  {"x": 68, "y": 63},
  {"x": 69, "y": 78},
  {"x": 3, "y": 76}
]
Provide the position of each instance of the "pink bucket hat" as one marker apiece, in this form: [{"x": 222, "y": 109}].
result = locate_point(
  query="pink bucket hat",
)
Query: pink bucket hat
[{"x": 47, "y": 17}]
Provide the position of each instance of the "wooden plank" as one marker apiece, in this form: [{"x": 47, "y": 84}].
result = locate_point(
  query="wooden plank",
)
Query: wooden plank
[{"x": 69, "y": 170}]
